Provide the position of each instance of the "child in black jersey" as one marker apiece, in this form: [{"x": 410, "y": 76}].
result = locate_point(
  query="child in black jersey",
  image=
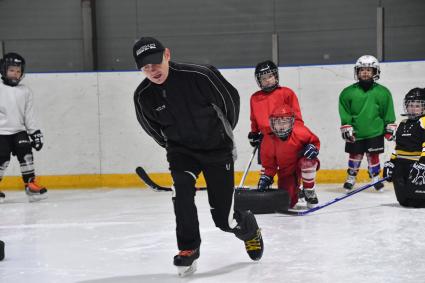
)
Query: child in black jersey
[{"x": 406, "y": 169}]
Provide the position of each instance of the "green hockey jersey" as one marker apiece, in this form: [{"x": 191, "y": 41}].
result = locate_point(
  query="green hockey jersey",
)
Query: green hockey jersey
[{"x": 368, "y": 112}]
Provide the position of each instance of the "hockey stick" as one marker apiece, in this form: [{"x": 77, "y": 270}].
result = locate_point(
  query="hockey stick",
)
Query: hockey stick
[
  {"x": 301, "y": 213},
  {"x": 245, "y": 173},
  {"x": 151, "y": 184}
]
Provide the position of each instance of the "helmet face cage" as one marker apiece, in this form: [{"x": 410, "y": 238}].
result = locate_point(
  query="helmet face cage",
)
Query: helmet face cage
[
  {"x": 367, "y": 61},
  {"x": 282, "y": 125},
  {"x": 263, "y": 70},
  {"x": 414, "y": 109},
  {"x": 414, "y": 103},
  {"x": 11, "y": 59}
]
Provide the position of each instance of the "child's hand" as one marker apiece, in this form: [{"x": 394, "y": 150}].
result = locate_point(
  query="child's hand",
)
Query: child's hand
[{"x": 37, "y": 140}]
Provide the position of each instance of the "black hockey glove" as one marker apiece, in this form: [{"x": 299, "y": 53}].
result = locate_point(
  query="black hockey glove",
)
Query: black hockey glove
[
  {"x": 255, "y": 138},
  {"x": 347, "y": 133},
  {"x": 310, "y": 151},
  {"x": 265, "y": 182},
  {"x": 390, "y": 131},
  {"x": 417, "y": 174},
  {"x": 37, "y": 140},
  {"x": 389, "y": 170}
]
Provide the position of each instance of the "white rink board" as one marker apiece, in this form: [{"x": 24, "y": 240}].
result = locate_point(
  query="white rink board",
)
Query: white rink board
[{"x": 90, "y": 125}]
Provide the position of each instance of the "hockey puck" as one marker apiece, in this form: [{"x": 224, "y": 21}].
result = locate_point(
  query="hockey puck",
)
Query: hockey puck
[
  {"x": 262, "y": 202},
  {"x": 1, "y": 250}
]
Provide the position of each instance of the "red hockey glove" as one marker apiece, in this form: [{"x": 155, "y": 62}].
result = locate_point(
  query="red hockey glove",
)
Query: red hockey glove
[
  {"x": 347, "y": 133},
  {"x": 390, "y": 131}
]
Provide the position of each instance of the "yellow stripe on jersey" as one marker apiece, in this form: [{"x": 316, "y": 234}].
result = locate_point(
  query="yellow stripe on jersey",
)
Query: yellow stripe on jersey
[
  {"x": 408, "y": 153},
  {"x": 422, "y": 122}
]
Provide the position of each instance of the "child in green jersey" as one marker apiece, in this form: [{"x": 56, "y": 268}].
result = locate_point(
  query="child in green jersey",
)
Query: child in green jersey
[{"x": 367, "y": 116}]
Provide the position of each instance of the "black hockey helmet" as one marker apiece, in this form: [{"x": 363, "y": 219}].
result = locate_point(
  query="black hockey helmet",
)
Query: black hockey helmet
[
  {"x": 11, "y": 59},
  {"x": 414, "y": 103},
  {"x": 265, "y": 68}
]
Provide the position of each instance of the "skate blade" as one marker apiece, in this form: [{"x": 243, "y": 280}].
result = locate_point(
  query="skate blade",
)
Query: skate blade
[
  {"x": 35, "y": 198},
  {"x": 311, "y": 205},
  {"x": 184, "y": 271}
]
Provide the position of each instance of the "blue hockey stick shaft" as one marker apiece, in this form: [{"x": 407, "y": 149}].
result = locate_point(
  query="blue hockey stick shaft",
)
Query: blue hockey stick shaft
[{"x": 301, "y": 213}]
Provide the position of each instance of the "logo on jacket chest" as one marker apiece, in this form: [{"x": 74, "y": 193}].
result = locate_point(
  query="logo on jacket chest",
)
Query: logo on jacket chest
[{"x": 160, "y": 108}]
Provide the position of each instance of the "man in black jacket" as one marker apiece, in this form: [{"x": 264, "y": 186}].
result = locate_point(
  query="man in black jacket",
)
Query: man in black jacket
[{"x": 191, "y": 110}]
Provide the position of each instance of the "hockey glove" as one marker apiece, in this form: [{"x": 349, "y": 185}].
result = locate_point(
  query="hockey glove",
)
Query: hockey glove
[
  {"x": 347, "y": 133},
  {"x": 417, "y": 174},
  {"x": 265, "y": 182},
  {"x": 255, "y": 138},
  {"x": 389, "y": 170},
  {"x": 310, "y": 151},
  {"x": 36, "y": 140},
  {"x": 390, "y": 131}
]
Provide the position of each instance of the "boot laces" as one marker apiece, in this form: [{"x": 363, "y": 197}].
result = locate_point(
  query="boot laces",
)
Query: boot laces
[
  {"x": 254, "y": 243},
  {"x": 187, "y": 252},
  {"x": 310, "y": 193}
]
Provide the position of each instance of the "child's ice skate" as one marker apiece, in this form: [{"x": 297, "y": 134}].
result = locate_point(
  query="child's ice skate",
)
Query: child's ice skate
[
  {"x": 34, "y": 191},
  {"x": 311, "y": 197},
  {"x": 379, "y": 187},
  {"x": 349, "y": 183}
]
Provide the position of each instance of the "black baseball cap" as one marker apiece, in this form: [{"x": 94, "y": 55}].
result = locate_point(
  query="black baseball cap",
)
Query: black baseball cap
[{"x": 147, "y": 50}]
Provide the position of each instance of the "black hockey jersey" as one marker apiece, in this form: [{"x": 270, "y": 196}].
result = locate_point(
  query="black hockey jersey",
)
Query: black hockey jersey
[
  {"x": 410, "y": 140},
  {"x": 195, "y": 108}
]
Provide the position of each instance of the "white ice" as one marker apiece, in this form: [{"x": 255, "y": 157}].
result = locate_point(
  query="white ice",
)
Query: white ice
[{"x": 127, "y": 235}]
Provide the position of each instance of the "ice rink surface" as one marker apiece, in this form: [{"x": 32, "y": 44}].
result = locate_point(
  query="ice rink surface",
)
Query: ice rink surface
[{"x": 127, "y": 235}]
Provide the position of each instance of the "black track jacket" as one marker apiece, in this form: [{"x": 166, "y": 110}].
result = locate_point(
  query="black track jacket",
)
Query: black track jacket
[{"x": 195, "y": 109}]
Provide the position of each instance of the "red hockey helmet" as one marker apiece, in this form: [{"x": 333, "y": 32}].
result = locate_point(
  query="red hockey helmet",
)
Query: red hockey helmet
[{"x": 282, "y": 121}]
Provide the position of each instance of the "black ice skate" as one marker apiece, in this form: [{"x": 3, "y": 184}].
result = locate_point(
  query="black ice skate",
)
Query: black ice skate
[
  {"x": 255, "y": 246},
  {"x": 311, "y": 197},
  {"x": 2, "y": 196},
  {"x": 248, "y": 231},
  {"x": 34, "y": 191},
  {"x": 185, "y": 261},
  {"x": 379, "y": 187},
  {"x": 349, "y": 183}
]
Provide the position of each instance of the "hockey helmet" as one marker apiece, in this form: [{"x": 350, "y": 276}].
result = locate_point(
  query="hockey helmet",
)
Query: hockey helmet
[
  {"x": 414, "y": 103},
  {"x": 11, "y": 59},
  {"x": 282, "y": 121},
  {"x": 263, "y": 72},
  {"x": 367, "y": 61}
]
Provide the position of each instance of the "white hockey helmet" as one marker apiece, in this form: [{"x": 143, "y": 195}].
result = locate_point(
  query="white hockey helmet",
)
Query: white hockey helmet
[{"x": 367, "y": 61}]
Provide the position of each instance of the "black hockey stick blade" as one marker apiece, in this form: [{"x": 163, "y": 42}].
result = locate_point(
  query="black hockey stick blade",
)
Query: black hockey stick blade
[
  {"x": 149, "y": 182},
  {"x": 154, "y": 186}
]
